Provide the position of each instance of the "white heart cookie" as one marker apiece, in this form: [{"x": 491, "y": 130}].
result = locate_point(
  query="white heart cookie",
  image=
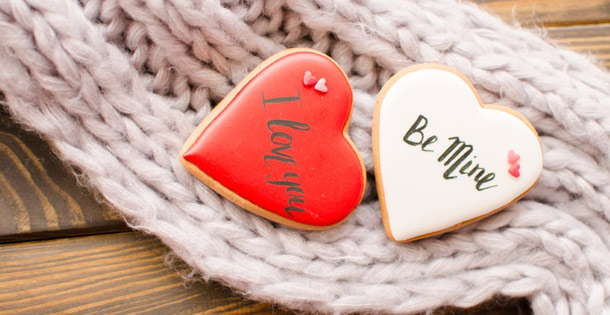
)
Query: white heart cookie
[{"x": 444, "y": 159}]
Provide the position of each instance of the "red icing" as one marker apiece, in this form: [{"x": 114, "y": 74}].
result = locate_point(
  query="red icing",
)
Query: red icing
[
  {"x": 231, "y": 149},
  {"x": 514, "y": 170}
]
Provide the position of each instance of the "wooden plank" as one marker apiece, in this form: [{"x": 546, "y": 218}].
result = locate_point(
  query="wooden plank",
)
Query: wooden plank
[
  {"x": 591, "y": 37},
  {"x": 550, "y": 12},
  {"x": 109, "y": 274},
  {"x": 124, "y": 273},
  {"x": 593, "y": 40},
  {"x": 40, "y": 196}
]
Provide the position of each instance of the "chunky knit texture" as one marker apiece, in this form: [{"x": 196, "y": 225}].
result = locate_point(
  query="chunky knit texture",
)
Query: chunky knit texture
[{"x": 118, "y": 85}]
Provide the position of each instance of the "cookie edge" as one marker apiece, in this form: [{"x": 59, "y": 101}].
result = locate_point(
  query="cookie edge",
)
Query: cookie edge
[
  {"x": 233, "y": 196},
  {"x": 375, "y": 139}
]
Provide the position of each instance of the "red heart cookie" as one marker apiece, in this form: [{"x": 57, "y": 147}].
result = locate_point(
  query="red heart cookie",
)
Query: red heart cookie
[{"x": 279, "y": 148}]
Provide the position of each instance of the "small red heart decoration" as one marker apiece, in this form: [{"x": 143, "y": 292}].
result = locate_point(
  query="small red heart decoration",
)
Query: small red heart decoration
[
  {"x": 280, "y": 149},
  {"x": 513, "y": 157},
  {"x": 309, "y": 79},
  {"x": 514, "y": 170}
]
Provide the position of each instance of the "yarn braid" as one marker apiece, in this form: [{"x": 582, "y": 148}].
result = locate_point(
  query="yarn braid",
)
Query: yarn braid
[{"x": 118, "y": 85}]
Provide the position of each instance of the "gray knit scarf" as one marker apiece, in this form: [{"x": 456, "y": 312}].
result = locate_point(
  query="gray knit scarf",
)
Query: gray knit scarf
[{"x": 118, "y": 85}]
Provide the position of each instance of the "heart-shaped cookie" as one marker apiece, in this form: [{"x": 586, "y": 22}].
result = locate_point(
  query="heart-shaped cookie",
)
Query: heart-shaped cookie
[
  {"x": 278, "y": 147},
  {"x": 441, "y": 154}
]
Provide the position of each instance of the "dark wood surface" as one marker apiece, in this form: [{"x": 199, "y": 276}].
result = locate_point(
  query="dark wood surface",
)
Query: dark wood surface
[
  {"x": 550, "y": 12},
  {"x": 110, "y": 274},
  {"x": 40, "y": 196},
  {"x": 49, "y": 265},
  {"x": 592, "y": 40},
  {"x": 124, "y": 273}
]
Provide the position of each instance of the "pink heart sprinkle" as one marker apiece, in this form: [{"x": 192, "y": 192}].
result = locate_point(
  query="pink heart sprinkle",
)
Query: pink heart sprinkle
[
  {"x": 309, "y": 79},
  {"x": 321, "y": 86},
  {"x": 514, "y": 170},
  {"x": 513, "y": 157}
]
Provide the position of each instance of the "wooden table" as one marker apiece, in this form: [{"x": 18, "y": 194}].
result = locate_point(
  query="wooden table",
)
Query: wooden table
[{"x": 63, "y": 250}]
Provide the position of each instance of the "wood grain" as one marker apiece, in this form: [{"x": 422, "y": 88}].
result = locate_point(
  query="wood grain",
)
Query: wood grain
[
  {"x": 109, "y": 274},
  {"x": 593, "y": 40},
  {"x": 550, "y": 12},
  {"x": 39, "y": 196},
  {"x": 583, "y": 26},
  {"x": 124, "y": 273}
]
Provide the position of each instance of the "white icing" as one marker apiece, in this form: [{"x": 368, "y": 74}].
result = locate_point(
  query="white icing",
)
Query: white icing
[{"x": 418, "y": 199}]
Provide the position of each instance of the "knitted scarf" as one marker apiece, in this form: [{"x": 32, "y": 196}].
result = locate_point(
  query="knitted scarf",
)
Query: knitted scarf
[{"x": 117, "y": 86}]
